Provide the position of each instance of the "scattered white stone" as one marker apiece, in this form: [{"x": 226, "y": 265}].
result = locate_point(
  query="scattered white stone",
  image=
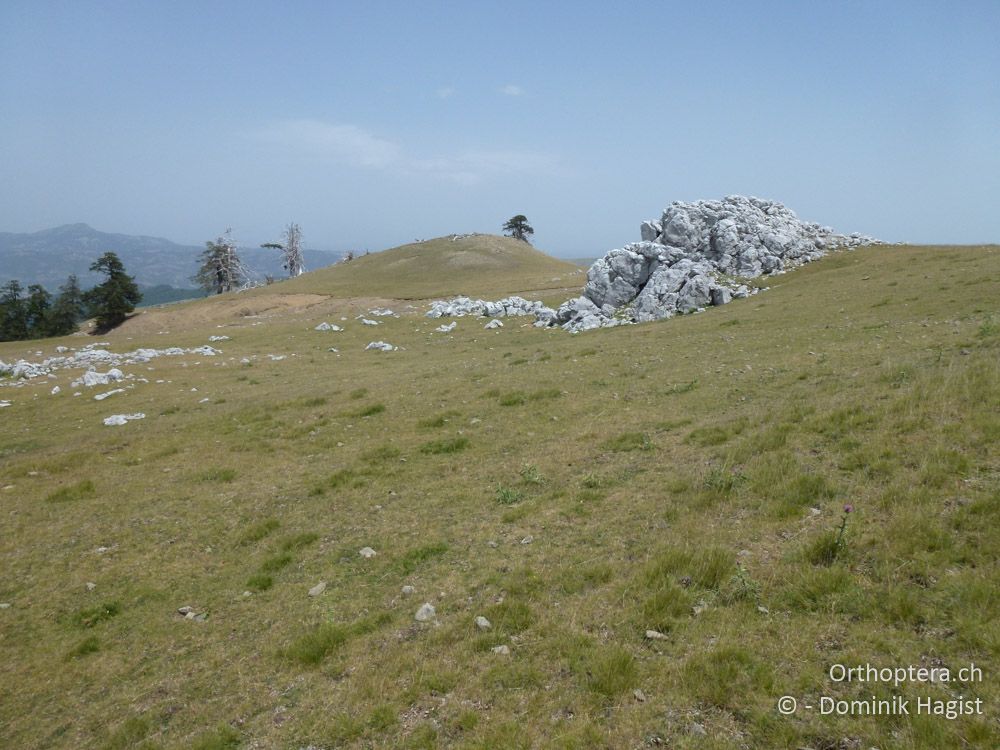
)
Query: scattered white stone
[
  {"x": 369, "y": 322},
  {"x": 4, "y": 605},
  {"x": 218, "y": 338},
  {"x": 483, "y": 624},
  {"x": 55, "y": 390},
  {"x": 495, "y": 323},
  {"x": 639, "y": 695},
  {"x": 318, "y": 589},
  {"x": 763, "y": 610},
  {"x": 328, "y": 327},
  {"x": 90, "y": 585},
  {"x": 276, "y": 357},
  {"x": 102, "y": 396},
  {"x": 501, "y": 650},
  {"x": 120, "y": 419},
  {"x": 698, "y": 608},
  {"x": 4, "y": 403},
  {"x": 204, "y": 400},
  {"x": 185, "y": 610},
  {"x": 382, "y": 312},
  {"x": 425, "y": 613},
  {"x": 528, "y": 539},
  {"x": 381, "y": 346},
  {"x": 408, "y": 590},
  {"x": 655, "y": 635},
  {"x": 367, "y": 552},
  {"x": 446, "y": 328}
]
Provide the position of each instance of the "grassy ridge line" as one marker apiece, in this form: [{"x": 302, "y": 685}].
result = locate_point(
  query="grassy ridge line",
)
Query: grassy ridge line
[
  {"x": 442, "y": 267},
  {"x": 658, "y": 468}
]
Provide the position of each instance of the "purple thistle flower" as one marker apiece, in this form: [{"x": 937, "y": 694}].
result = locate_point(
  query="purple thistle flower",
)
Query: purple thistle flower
[{"x": 848, "y": 508}]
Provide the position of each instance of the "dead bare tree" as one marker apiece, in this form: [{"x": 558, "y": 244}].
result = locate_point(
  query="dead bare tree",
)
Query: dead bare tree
[{"x": 291, "y": 250}]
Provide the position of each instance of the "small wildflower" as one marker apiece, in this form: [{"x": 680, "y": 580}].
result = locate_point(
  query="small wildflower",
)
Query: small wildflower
[{"x": 848, "y": 508}]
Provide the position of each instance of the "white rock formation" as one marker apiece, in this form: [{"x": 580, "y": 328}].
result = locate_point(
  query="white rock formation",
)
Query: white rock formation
[
  {"x": 328, "y": 327},
  {"x": 509, "y": 306},
  {"x": 693, "y": 257},
  {"x": 381, "y": 346},
  {"x": 119, "y": 419}
]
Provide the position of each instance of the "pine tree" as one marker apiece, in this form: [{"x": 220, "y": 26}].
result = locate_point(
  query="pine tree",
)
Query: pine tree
[
  {"x": 67, "y": 311},
  {"x": 112, "y": 300},
  {"x": 13, "y": 312},
  {"x": 518, "y": 227},
  {"x": 37, "y": 308}
]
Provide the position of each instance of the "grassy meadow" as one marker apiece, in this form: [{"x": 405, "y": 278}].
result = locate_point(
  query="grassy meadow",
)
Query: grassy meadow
[{"x": 686, "y": 477}]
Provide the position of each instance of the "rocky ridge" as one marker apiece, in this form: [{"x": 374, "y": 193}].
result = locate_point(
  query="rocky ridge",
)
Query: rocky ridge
[{"x": 693, "y": 257}]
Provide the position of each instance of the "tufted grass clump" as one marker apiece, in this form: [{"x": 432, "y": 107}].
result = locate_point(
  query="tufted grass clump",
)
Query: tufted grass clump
[
  {"x": 258, "y": 531},
  {"x": 611, "y": 671},
  {"x": 88, "y": 617},
  {"x": 77, "y": 491},
  {"x": 629, "y": 441},
  {"x": 447, "y": 445},
  {"x": 218, "y": 475},
  {"x": 507, "y": 495}
]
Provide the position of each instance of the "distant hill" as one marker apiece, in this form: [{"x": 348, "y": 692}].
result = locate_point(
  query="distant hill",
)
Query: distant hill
[
  {"x": 49, "y": 256},
  {"x": 454, "y": 264}
]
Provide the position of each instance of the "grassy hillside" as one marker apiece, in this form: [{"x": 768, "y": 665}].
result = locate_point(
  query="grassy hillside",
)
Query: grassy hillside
[
  {"x": 687, "y": 477},
  {"x": 474, "y": 265}
]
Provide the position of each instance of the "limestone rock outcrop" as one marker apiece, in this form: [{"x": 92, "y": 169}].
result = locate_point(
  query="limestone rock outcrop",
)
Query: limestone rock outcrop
[{"x": 693, "y": 257}]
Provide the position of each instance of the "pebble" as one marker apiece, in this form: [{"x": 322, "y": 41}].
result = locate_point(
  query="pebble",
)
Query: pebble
[
  {"x": 185, "y": 610},
  {"x": 407, "y": 590},
  {"x": 483, "y": 624},
  {"x": 425, "y": 613},
  {"x": 90, "y": 585},
  {"x": 367, "y": 553},
  {"x": 639, "y": 695},
  {"x": 502, "y": 650},
  {"x": 655, "y": 635},
  {"x": 528, "y": 539},
  {"x": 4, "y": 605},
  {"x": 697, "y": 728},
  {"x": 318, "y": 589}
]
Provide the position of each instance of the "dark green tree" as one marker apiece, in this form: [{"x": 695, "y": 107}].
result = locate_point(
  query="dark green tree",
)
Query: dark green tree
[
  {"x": 112, "y": 300},
  {"x": 518, "y": 228},
  {"x": 13, "y": 312},
  {"x": 37, "y": 308},
  {"x": 68, "y": 309}
]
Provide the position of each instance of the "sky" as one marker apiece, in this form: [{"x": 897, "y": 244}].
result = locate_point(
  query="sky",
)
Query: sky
[{"x": 372, "y": 124}]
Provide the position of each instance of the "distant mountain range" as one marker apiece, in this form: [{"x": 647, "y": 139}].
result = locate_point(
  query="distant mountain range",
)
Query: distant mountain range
[{"x": 49, "y": 256}]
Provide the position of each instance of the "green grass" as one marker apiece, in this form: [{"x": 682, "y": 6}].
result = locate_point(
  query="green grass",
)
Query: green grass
[
  {"x": 76, "y": 491},
  {"x": 449, "y": 445},
  {"x": 686, "y": 476}
]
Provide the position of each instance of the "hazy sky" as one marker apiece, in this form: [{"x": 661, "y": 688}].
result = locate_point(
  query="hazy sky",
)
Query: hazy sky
[{"x": 372, "y": 124}]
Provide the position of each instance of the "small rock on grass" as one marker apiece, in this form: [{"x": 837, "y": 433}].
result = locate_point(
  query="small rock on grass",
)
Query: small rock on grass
[
  {"x": 4, "y": 605},
  {"x": 502, "y": 650},
  {"x": 425, "y": 613},
  {"x": 367, "y": 553},
  {"x": 483, "y": 624},
  {"x": 409, "y": 590},
  {"x": 90, "y": 585},
  {"x": 318, "y": 589},
  {"x": 655, "y": 635},
  {"x": 639, "y": 695}
]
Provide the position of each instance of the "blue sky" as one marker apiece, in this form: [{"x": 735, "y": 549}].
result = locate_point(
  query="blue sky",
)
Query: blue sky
[{"x": 372, "y": 124}]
